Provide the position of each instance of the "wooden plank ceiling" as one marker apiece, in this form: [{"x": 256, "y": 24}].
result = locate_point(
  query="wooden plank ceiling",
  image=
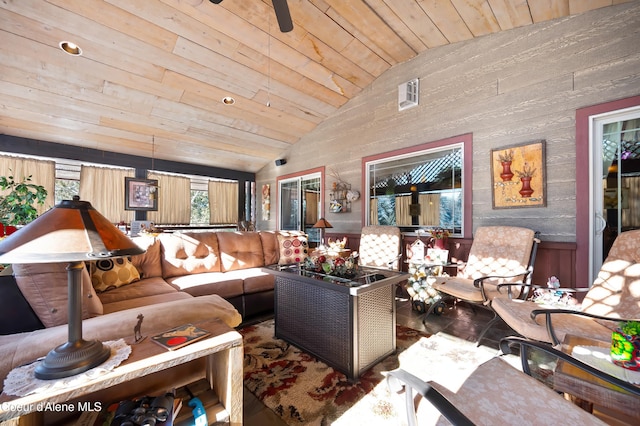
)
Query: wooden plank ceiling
[{"x": 153, "y": 73}]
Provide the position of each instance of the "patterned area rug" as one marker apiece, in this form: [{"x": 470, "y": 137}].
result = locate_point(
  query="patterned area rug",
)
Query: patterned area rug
[{"x": 305, "y": 391}]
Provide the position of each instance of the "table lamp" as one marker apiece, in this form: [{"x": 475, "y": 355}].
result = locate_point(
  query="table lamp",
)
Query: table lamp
[
  {"x": 322, "y": 224},
  {"x": 73, "y": 231}
]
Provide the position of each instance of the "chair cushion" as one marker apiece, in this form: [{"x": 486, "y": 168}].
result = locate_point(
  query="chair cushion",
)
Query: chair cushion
[
  {"x": 379, "y": 245},
  {"x": 517, "y": 314},
  {"x": 616, "y": 290},
  {"x": 500, "y": 394},
  {"x": 463, "y": 288},
  {"x": 499, "y": 250}
]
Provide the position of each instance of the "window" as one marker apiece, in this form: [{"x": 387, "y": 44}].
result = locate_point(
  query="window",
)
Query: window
[
  {"x": 421, "y": 187},
  {"x": 67, "y": 181},
  {"x": 199, "y": 201},
  {"x": 300, "y": 203}
]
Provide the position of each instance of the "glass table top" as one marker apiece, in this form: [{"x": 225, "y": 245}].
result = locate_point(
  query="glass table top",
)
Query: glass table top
[{"x": 363, "y": 276}]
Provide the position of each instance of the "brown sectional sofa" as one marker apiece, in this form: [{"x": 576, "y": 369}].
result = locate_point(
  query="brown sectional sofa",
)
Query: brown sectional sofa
[
  {"x": 201, "y": 263},
  {"x": 184, "y": 277}
]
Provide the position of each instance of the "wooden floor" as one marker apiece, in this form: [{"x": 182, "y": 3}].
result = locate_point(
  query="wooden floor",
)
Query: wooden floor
[{"x": 458, "y": 320}]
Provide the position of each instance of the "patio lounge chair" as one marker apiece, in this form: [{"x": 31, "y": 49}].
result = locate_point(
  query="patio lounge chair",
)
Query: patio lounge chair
[{"x": 614, "y": 296}]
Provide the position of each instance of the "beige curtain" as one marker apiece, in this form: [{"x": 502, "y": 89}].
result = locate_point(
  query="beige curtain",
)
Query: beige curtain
[
  {"x": 223, "y": 202},
  {"x": 631, "y": 214},
  {"x": 174, "y": 200},
  {"x": 429, "y": 209},
  {"x": 311, "y": 213},
  {"x": 373, "y": 211},
  {"x": 103, "y": 187},
  {"x": 42, "y": 173},
  {"x": 403, "y": 218}
]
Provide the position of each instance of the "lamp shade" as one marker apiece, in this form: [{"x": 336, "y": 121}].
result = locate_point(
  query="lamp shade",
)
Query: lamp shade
[
  {"x": 71, "y": 231},
  {"x": 322, "y": 223}
]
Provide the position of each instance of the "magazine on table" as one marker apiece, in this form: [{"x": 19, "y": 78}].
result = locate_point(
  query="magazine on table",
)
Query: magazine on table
[{"x": 179, "y": 337}]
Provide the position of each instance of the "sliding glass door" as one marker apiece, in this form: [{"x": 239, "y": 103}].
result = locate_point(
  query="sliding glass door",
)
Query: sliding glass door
[
  {"x": 615, "y": 198},
  {"x": 300, "y": 204}
]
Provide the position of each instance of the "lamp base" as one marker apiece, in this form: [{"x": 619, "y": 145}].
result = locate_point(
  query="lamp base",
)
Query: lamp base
[{"x": 72, "y": 358}]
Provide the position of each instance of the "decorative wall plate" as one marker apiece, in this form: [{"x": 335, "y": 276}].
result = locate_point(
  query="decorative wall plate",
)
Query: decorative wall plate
[{"x": 352, "y": 195}]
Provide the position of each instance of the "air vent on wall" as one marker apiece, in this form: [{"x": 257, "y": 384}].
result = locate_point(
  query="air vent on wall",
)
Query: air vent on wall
[{"x": 408, "y": 94}]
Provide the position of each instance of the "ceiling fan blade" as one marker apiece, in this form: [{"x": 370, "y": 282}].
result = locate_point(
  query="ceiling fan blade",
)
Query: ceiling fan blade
[{"x": 283, "y": 15}]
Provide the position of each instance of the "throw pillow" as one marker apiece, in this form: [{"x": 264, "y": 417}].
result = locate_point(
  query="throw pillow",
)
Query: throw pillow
[
  {"x": 45, "y": 286},
  {"x": 107, "y": 274},
  {"x": 293, "y": 248}
]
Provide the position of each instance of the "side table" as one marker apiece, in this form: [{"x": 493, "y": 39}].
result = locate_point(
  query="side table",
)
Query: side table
[
  {"x": 149, "y": 370},
  {"x": 590, "y": 392}
]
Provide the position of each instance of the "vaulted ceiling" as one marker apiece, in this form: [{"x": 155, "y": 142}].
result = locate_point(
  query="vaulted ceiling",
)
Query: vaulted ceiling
[{"x": 153, "y": 73}]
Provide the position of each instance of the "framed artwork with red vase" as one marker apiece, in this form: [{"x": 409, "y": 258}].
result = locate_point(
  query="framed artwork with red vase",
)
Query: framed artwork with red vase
[{"x": 518, "y": 176}]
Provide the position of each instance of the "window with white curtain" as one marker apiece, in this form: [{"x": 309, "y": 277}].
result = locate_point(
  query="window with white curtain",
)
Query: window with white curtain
[
  {"x": 223, "y": 202},
  {"x": 104, "y": 188},
  {"x": 419, "y": 187},
  {"x": 183, "y": 199},
  {"x": 174, "y": 199},
  {"x": 42, "y": 173}
]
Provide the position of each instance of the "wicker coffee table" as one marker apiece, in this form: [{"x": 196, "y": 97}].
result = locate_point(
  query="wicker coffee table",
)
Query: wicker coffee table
[{"x": 348, "y": 323}]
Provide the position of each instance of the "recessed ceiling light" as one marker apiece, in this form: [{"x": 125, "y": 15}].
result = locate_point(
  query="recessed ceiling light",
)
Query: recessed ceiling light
[
  {"x": 228, "y": 100},
  {"x": 70, "y": 48}
]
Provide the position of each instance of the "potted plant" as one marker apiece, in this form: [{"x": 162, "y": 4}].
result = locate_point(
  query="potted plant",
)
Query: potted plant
[
  {"x": 17, "y": 206},
  {"x": 525, "y": 177},
  {"x": 440, "y": 237},
  {"x": 505, "y": 158},
  {"x": 625, "y": 345}
]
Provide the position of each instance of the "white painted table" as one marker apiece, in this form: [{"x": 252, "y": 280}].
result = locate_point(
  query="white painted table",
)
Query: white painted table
[{"x": 150, "y": 369}]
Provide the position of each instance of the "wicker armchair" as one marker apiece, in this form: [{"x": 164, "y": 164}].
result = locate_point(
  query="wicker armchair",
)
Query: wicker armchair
[
  {"x": 498, "y": 254},
  {"x": 497, "y": 393},
  {"x": 380, "y": 247},
  {"x": 614, "y": 296}
]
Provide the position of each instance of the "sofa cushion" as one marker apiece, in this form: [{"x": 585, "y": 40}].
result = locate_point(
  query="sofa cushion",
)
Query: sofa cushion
[
  {"x": 224, "y": 284},
  {"x": 139, "y": 302},
  {"x": 44, "y": 285},
  {"x": 293, "y": 248},
  {"x": 148, "y": 263},
  {"x": 270, "y": 247},
  {"x": 112, "y": 273},
  {"x": 145, "y": 287},
  {"x": 256, "y": 280},
  {"x": 189, "y": 253},
  {"x": 240, "y": 250}
]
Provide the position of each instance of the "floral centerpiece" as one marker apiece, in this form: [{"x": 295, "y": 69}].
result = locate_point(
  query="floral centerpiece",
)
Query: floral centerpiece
[
  {"x": 439, "y": 233},
  {"x": 345, "y": 267},
  {"x": 439, "y": 237},
  {"x": 625, "y": 345}
]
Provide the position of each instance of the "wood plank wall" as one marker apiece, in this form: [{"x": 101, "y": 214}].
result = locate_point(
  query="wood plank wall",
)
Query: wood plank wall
[{"x": 508, "y": 88}]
